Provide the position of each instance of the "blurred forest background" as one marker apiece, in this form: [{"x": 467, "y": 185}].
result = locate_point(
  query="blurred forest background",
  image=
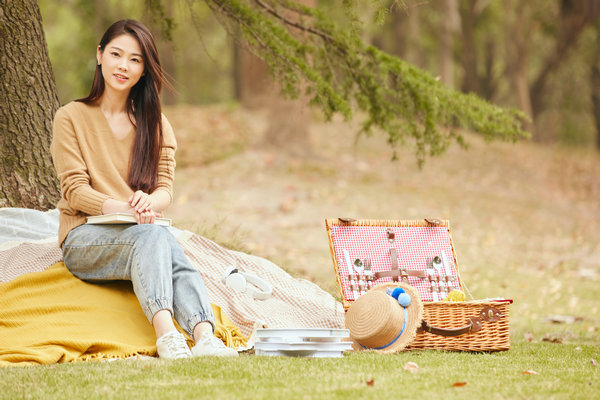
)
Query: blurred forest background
[
  {"x": 540, "y": 56},
  {"x": 525, "y": 217}
]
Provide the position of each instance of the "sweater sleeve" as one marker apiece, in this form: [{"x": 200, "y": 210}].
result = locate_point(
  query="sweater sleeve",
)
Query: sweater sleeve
[
  {"x": 71, "y": 167},
  {"x": 166, "y": 164}
]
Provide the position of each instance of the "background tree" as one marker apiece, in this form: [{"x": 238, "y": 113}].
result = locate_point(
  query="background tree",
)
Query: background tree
[
  {"x": 525, "y": 54},
  {"x": 337, "y": 69},
  {"x": 28, "y": 102},
  {"x": 308, "y": 54},
  {"x": 288, "y": 119},
  {"x": 595, "y": 82}
]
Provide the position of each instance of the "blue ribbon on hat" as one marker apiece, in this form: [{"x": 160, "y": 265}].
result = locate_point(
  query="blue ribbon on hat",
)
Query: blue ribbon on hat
[
  {"x": 404, "y": 300},
  {"x": 396, "y": 338}
]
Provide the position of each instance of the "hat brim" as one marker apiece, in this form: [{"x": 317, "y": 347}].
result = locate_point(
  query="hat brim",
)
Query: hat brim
[{"x": 414, "y": 314}]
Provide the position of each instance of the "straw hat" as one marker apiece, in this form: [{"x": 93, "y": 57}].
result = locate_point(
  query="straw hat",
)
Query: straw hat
[{"x": 386, "y": 318}]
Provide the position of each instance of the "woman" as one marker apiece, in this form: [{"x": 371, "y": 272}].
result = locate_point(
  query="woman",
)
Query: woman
[{"x": 114, "y": 152}]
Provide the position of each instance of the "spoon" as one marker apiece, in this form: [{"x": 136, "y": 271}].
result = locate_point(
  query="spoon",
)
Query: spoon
[{"x": 438, "y": 265}]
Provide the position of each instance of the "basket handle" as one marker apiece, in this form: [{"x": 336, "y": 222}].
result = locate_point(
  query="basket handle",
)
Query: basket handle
[{"x": 474, "y": 324}]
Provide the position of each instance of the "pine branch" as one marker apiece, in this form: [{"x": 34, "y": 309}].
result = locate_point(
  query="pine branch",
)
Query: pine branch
[
  {"x": 296, "y": 25},
  {"x": 304, "y": 48}
]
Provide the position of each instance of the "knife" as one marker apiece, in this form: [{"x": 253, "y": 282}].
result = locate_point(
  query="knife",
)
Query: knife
[
  {"x": 351, "y": 272},
  {"x": 449, "y": 276}
]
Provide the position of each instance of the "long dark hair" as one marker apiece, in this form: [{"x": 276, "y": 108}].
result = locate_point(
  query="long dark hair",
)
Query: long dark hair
[{"x": 143, "y": 105}]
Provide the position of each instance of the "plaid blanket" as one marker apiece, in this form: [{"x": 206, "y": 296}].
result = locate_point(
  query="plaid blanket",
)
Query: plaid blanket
[{"x": 295, "y": 303}]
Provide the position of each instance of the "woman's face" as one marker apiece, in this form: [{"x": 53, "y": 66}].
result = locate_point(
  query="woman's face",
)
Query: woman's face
[{"x": 122, "y": 63}]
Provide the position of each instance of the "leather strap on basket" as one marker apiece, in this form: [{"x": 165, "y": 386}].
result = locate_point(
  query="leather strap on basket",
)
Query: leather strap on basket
[
  {"x": 403, "y": 273},
  {"x": 394, "y": 258},
  {"x": 397, "y": 272},
  {"x": 475, "y": 324}
]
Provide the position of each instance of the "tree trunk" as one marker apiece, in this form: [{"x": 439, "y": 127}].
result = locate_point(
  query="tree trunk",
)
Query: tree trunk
[
  {"x": 399, "y": 21},
  {"x": 167, "y": 58},
  {"x": 254, "y": 88},
  {"x": 28, "y": 101},
  {"x": 414, "y": 53},
  {"x": 165, "y": 44},
  {"x": 448, "y": 28},
  {"x": 573, "y": 18},
  {"x": 488, "y": 83},
  {"x": 595, "y": 86},
  {"x": 469, "y": 52},
  {"x": 517, "y": 58},
  {"x": 596, "y": 99}
]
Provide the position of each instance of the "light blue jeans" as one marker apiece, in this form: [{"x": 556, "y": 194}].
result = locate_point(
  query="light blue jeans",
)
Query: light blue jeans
[{"x": 151, "y": 258}]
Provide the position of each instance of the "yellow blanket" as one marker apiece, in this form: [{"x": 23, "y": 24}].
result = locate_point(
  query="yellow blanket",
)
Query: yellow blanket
[{"x": 51, "y": 316}]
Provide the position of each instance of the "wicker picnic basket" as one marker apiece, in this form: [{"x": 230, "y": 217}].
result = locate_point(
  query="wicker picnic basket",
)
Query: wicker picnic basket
[{"x": 400, "y": 249}]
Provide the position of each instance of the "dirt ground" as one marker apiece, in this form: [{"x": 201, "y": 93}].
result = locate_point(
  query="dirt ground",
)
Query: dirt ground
[{"x": 525, "y": 218}]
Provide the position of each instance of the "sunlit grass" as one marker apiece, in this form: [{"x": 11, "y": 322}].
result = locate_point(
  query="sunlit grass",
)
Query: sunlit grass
[
  {"x": 559, "y": 372},
  {"x": 525, "y": 220}
]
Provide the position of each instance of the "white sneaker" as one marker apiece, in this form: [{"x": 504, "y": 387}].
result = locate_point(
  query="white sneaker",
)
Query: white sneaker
[
  {"x": 172, "y": 345},
  {"x": 210, "y": 345}
]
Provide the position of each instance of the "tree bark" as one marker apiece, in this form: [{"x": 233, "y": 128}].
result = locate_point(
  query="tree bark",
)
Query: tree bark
[
  {"x": 518, "y": 62},
  {"x": 414, "y": 52},
  {"x": 166, "y": 49},
  {"x": 478, "y": 56},
  {"x": 448, "y": 28},
  {"x": 28, "y": 101},
  {"x": 469, "y": 52},
  {"x": 254, "y": 88},
  {"x": 595, "y": 86},
  {"x": 573, "y": 18}
]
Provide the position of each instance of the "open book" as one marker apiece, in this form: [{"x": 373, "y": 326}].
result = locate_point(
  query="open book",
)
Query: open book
[{"x": 122, "y": 218}]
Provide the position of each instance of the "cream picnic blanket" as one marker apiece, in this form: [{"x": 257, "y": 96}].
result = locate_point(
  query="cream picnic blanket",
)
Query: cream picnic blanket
[{"x": 295, "y": 303}]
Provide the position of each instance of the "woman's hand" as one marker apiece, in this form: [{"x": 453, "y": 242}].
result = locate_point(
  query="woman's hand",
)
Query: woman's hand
[
  {"x": 146, "y": 217},
  {"x": 140, "y": 202}
]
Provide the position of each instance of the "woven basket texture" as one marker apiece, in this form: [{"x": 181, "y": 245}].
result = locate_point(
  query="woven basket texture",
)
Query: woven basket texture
[{"x": 494, "y": 336}]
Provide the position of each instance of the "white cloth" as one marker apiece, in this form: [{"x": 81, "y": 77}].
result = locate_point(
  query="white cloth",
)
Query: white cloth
[{"x": 19, "y": 225}]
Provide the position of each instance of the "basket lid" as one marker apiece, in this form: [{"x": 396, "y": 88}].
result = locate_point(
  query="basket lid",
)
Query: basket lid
[{"x": 367, "y": 252}]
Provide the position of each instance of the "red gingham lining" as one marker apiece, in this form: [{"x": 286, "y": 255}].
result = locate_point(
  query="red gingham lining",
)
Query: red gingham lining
[{"x": 415, "y": 246}]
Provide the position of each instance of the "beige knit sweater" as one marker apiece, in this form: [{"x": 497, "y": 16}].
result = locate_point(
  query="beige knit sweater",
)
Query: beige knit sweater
[{"x": 92, "y": 164}]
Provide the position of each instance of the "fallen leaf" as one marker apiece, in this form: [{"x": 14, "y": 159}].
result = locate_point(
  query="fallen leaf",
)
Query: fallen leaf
[
  {"x": 411, "y": 367},
  {"x": 528, "y": 336},
  {"x": 562, "y": 319},
  {"x": 594, "y": 363},
  {"x": 288, "y": 204},
  {"x": 529, "y": 372},
  {"x": 370, "y": 382},
  {"x": 459, "y": 384},
  {"x": 552, "y": 339}
]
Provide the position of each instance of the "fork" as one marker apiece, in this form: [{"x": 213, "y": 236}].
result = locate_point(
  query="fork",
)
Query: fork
[
  {"x": 431, "y": 275},
  {"x": 438, "y": 265},
  {"x": 368, "y": 273}
]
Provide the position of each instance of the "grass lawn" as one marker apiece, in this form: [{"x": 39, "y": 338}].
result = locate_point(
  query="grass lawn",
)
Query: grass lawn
[
  {"x": 525, "y": 223},
  {"x": 561, "y": 372}
]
